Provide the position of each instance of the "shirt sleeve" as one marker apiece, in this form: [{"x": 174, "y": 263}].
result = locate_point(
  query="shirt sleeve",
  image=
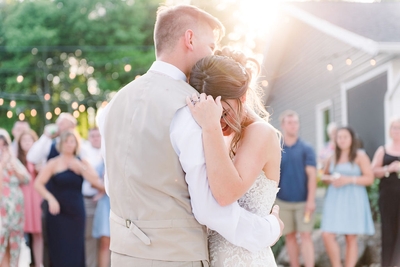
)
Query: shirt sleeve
[
  {"x": 310, "y": 156},
  {"x": 40, "y": 150},
  {"x": 234, "y": 223},
  {"x": 87, "y": 154}
]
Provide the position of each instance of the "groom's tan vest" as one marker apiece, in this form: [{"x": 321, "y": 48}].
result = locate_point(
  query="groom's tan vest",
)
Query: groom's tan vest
[{"x": 151, "y": 216}]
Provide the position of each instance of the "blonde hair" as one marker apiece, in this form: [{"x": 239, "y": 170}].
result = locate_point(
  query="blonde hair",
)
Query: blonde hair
[
  {"x": 332, "y": 126},
  {"x": 287, "y": 113},
  {"x": 64, "y": 136},
  {"x": 225, "y": 74},
  {"x": 394, "y": 119},
  {"x": 173, "y": 21},
  {"x": 68, "y": 117}
]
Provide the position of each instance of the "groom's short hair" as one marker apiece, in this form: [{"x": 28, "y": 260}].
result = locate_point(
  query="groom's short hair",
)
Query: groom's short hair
[{"x": 173, "y": 21}]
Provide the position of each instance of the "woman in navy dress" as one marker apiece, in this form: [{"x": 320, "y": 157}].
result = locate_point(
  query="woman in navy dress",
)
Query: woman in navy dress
[{"x": 60, "y": 184}]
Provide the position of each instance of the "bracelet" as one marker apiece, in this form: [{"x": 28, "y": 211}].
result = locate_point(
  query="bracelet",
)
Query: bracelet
[
  {"x": 353, "y": 179},
  {"x": 385, "y": 169}
]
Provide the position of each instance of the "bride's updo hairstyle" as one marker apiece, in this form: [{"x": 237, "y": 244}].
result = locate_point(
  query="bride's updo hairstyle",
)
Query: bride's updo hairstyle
[{"x": 229, "y": 74}]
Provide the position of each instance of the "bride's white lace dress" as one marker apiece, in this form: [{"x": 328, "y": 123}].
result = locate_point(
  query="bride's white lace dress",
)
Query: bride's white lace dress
[{"x": 259, "y": 200}]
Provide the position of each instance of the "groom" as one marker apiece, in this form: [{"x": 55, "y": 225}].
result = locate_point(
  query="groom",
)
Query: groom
[{"x": 157, "y": 182}]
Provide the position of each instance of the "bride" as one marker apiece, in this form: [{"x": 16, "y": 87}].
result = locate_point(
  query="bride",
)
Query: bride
[{"x": 242, "y": 149}]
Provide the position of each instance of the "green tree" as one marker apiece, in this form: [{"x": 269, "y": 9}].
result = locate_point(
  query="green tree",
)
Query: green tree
[
  {"x": 57, "y": 52},
  {"x": 72, "y": 50}
]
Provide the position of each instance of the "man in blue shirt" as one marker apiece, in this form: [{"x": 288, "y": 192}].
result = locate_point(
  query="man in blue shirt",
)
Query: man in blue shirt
[{"x": 296, "y": 197}]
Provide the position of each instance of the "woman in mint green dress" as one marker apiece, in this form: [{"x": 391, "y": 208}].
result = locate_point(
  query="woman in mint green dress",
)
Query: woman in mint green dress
[{"x": 346, "y": 207}]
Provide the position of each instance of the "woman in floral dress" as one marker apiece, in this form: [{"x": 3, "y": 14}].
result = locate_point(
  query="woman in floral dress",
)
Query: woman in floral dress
[{"x": 12, "y": 174}]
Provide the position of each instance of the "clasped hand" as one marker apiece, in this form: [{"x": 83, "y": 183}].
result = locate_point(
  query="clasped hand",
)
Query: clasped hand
[
  {"x": 6, "y": 160},
  {"x": 394, "y": 166},
  {"x": 205, "y": 110}
]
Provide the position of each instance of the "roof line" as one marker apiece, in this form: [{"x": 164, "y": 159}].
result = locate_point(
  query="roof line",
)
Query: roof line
[
  {"x": 369, "y": 46},
  {"x": 390, "y": 47}
]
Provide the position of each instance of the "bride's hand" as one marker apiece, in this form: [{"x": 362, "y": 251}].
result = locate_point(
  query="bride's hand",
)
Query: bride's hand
[{"x": 205, "y": 110}]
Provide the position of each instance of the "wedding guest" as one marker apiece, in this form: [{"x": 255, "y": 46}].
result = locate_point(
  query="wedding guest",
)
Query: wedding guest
[
  {"x": 101, "y": 225},
  {"x": 45, "y": 149},
  {"x": 33, "y": 213},
  {"x": 386, "y": 167},
  {"x": 346, "y": 207},
  {"x": 60, "y": 184},
  {"x": 92, "y": 154},
  {"x": 296, "y": 197},
  {"x": 329, "y": 148},
  {"x": 12, "y": 175},
  {"x": 17, "y": 129}
]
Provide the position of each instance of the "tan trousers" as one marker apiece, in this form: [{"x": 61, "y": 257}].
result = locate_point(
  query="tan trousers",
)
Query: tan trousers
[
  {"x": 91, "y": 244},
  {"x": 120, "y": 260}
]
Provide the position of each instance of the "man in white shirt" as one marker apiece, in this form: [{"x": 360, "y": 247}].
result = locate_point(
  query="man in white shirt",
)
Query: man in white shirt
[
  {"x": 91, "y": 152},
  {"x": 40, "y": 150},
  {"x": 152, "y": 147}
]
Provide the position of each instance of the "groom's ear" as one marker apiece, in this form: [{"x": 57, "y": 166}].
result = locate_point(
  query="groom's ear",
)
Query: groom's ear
[{"x": 189, "y": 39}]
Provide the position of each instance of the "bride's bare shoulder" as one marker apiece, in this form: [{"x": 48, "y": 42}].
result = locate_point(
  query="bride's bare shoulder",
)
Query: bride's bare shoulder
[{"x": 262, "y": 128}]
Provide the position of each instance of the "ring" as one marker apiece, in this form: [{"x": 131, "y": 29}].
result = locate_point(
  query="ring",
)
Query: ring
[{"x": 195, "y": 101}]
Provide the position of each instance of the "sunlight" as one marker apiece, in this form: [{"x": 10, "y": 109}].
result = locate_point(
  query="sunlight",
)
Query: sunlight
[
  {"x": 259, "y": 15},
  {"x": 256, "y": 20}
]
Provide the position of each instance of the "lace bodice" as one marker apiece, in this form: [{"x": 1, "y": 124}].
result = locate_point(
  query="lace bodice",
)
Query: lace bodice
[{"x": 258, "y": 200}]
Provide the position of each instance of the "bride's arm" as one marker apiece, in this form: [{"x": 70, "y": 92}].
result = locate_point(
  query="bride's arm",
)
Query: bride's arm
[{"x": 259, "y": 148}]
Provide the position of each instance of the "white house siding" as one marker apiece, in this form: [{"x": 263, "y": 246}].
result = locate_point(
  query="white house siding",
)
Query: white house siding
[{"x": 303, "y": 80}]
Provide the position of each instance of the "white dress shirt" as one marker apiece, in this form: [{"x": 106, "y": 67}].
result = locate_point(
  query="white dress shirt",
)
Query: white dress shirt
[
  {"x": 238, "y": 226},
  {"x": 40, "y": 150},
  {"x": 93, "y": 156}
]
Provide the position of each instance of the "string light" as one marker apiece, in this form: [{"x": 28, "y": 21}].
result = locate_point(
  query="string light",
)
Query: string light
[
  {"x": 9, "y": 114},
  {"x": 57, "y": 111},
  {"x": 33, "y": 112},
  {"x": 21, "y": 116},
  {"x": 127, "y": 68},
  {"x": 1, "y": 101},
  {"x": 13, "y": 103},
  {"x": 349, "y": 61},
  {"x": 20, "y": 78},
  {"x": 82, "y": 108},
  {"x": 74, "y": 105},
  {"x": 372, "y": 62},
  {"x": 329, "y": 67},
  {"x": 49, "y": 115},
  {"x": 47, "y": 97},
  {"x": 76, "y": 114}
]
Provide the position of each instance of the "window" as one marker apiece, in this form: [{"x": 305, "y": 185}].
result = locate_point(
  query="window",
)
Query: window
[{"x": 324, "y": 116}]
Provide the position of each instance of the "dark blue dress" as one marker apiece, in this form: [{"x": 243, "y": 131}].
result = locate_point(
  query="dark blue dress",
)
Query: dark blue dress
[{"x": 66, "y": 230}]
